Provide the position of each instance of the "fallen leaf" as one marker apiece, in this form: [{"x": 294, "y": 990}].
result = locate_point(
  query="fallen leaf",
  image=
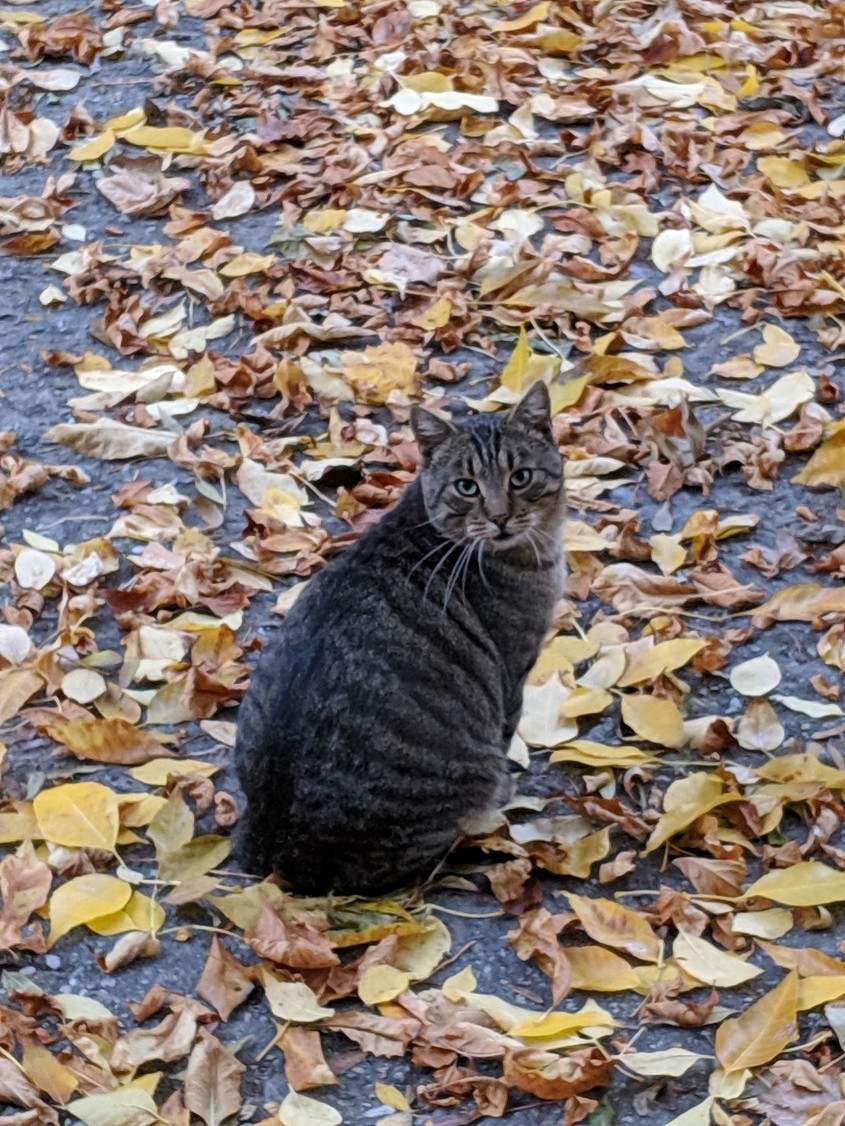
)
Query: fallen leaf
[
  {"x": 78, "y": 815},
  {"x": 84, "y": 899},
  {"x": 212, "y": 1081},
  {"x": 756, "y": 677},
  {"x": 302, "y": 1110},
  {"x": 760, "y": 1033},
  {"x": 806, "y": 884},
  {"x": 617, "y": 926},
  {"x": 110, "y": 440},
  {"x": 107, "y": 740}
]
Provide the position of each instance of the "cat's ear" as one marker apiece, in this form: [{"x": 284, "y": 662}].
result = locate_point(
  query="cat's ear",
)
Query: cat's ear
[
  {"x": 429, "y": 431},
  {"x": 534, "y": 409}
]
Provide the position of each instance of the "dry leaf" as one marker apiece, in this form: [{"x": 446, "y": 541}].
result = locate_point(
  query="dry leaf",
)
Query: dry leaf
[{"x": 760, "y": 1033}]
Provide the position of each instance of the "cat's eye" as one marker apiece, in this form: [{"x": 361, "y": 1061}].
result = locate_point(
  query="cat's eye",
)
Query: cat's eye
[
  {"x": 467, "y": 487},
  {"x": 521, "y": 477}
]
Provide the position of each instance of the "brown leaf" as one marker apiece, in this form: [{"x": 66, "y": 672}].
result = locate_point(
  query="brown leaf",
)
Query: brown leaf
[
  {"x": 297, "y": 944},
  {"x": 108, "y": 740},
  {"x": 549, "y": 1076},
  {"x": 535, "y": 939},
  {"x": 213, "y": 1081},
  {"x": 305, "y": 1064},
  {"x": 169, "y": 1040},
  {"x": 138, "y": 192},
  {"x": 224, "y": 983}
]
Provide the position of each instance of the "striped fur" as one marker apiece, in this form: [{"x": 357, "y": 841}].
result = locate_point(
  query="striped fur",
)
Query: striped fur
[{"x": 378, "y": 719}]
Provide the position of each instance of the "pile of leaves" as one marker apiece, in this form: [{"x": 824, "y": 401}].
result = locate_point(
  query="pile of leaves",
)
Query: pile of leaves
[{"x": 299, "y": 220}]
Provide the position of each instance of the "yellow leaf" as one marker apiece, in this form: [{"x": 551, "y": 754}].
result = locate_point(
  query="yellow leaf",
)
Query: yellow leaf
[
  {"x": 79, "y": 815},
  {"x": 85, "y": 898},
  {"x": 167, "y": 138},
  {"x": 596, "y": 969},
  {"x": 516, "y": 369},
  {"x": 684, "y": 802},
  {"x": 16, "y": 687},
  {"x": 560, "y": 655},
  {"x": 778, "y": 349},
  {"x": 392, "y": 1096},
  {"x": 568, "y": 394},
  {"x": 600, "y": 755},
  {"x": 772, "y": 923},
  {"x": 761, "y": 1033},
  {"x": 764, "y": 135},
  {"x": 667, "y": 552},
  {"x": 827, "y": 465},
  {"x": 614, "y": 925},
  {"x": 140, "y": 913},
  {"x": 807, "y": 884},
  {"x": 94, "y": 148},
  {"x": 654, "y": 719},
  {"x": 114, "y": 740},
  {"x": 751, "y": 84},
  {"x": 670, "y": 1061},
  {"x": 292, "y": 1000},
  {"x": 129, "y": 1104},
  {"x": 158, "y": 770},
  {"x": 665, "y": 656},
  {"x": 783, "y": 172},
  {"x": 194, "y": 858},
  {"x": 801, "y": 768},
  {"x": 124, "y": 121},
  {"x": 137, "y": 810},
  {"x": 710, "y": 965},
  {"x": 455, "y": 987},
  {"x": 580, "y": 855},
  {"x": 819, "y": 990},
  {"x": 381, "y": 983},
  {"x": 323, "y": 220},
  {"x": 559, "y": 41},
  {"x": 435, "y": 316},
  {"x": 421, "y": 949},
  {"x": 537, "y": 14},
  {"x": 801, "y": 603},
  {"x": 47, "y": 1073},
  {"x": 19, "y": 824},
  {"x": 247, "y": 263},
  {"x": 557, "y": 1024},
  {"x": 380, "y": 369},
  {"x": 585, "y": 701}
]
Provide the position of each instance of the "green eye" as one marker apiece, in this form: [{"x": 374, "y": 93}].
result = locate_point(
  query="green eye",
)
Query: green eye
[
  {"x": 467, "y": 487},
  {"x": 521, "y": 477}
]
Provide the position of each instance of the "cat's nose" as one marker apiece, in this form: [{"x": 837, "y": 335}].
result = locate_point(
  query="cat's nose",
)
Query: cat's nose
[{"x": 500, "y": 521}]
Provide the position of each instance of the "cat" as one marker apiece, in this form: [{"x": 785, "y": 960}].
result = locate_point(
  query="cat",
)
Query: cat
[{"x": 377, "y": 722}]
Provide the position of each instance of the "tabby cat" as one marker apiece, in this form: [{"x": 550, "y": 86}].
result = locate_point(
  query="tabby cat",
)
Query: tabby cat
[{"x": 378, "y": 720}]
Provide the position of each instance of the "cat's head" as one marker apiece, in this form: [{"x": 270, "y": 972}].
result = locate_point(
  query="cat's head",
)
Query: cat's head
[{"x": 496, "y": 478}]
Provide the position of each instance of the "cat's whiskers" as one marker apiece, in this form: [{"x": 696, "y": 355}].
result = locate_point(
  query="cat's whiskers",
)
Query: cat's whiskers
[
  {"x": 530, "y": 541},
  {"x": 438, "y": 565},
  {"x": 481, "y": 570},
  {"x": 460, "y": 565},
  {"x": 437, "y": 547}
]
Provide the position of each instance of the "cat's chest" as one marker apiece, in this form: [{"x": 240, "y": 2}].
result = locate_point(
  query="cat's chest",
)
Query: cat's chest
[{"x": 516, "y": 611}]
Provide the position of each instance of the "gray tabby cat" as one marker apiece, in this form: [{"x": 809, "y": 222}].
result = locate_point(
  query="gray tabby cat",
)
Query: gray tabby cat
[{"x": 378, "y": 721}]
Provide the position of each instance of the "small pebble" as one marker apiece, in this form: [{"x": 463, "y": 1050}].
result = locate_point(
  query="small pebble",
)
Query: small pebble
[{"x": 53, "y": 961}]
